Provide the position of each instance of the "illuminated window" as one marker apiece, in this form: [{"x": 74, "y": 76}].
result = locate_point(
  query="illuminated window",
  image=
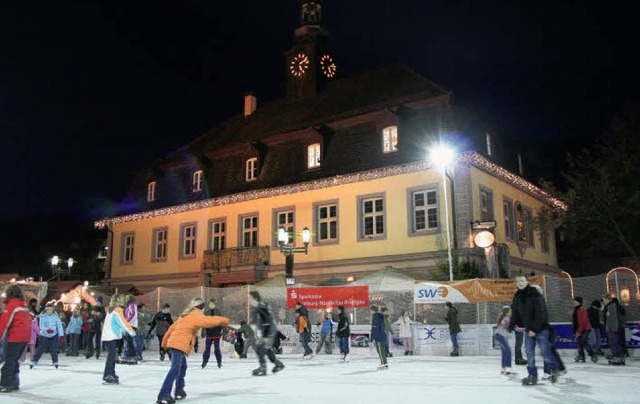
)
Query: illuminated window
[
  {"x": 188, "y": 240},
  {"x": 371, "y": 213},
  {"x": 424, "y": 210},
  {"x": 326, "y": 215},
  {"x": 251, "y": 169},
  {"x": 127, "y": 248},
  {"x": 524, "y": 225},
  {"x": 249, "y": 230},
  {"x": 159, "y": 252},
  {"x": 390, "y": 139},
  {"x": 196, "y": 181},
  {"x": 151, "y": 191},
  {"x": 218, "y": 234},
  {"x": 313, "y": 155}
]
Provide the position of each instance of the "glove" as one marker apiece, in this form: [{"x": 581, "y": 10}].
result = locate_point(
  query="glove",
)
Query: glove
[
  {"x": 519, "y": 329},
  {"x": 61, "y": 338},
  {"x": 49, "y": 331}
]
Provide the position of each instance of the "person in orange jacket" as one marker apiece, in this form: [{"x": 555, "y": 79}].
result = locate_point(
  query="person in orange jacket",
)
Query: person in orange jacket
[{"x": 179, "y": 339}]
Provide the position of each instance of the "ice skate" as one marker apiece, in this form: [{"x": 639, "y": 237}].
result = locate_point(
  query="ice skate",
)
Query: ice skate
[
  {"x": 110, "y": 379},
  {"x": 278, "y": 367},
  {"x": 261, "y": 371},
  {"x": 616, "y": 361},
  {"x": 530, "y": 380},
  {"x": 346, "y": 358},
  {"x": 179, "y": 394},
  {"x": 383, "y": 367},
  {"x": 8, "y": 389},
  {"x": 521, "y": 361},
  {"x": 594, "y": 358},
  {"x": 166, "y": 400},
  {"x": 579, "y": 359}
]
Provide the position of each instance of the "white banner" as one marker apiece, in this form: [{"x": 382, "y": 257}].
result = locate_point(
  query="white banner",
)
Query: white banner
[{"x": 427, "y": 292}]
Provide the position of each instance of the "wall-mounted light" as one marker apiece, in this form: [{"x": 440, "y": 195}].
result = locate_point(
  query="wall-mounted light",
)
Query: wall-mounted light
[{"x": 484, "y": 239}]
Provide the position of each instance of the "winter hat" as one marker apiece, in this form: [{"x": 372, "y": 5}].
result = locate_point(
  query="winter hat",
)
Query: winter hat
[
  {"x": 341, "y": 308},
  {"x": 100, "y": 299},
  {"x": 578, "y": 299}
]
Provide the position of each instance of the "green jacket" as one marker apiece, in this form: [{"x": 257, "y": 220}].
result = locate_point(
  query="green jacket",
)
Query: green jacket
[
  {"x": 245, "y": 330},
  {"x": 452, "y": 319}
]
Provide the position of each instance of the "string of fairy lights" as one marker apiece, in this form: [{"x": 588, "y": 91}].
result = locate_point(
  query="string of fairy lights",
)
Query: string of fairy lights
[{"x": 470, "y": 158}]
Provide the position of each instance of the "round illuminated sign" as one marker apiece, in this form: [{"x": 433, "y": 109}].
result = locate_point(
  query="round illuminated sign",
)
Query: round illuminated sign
[{"x": 484, "y": 239}]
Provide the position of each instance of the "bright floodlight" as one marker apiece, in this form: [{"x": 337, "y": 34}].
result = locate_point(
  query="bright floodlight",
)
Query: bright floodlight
[
  {"x": 441, "y": 155},
  {"x": 283, "y": 237},
  {"x": 55, "y": 260},
  {"x": 306, "y": 235},
  {"x": 70, "y": 262}
]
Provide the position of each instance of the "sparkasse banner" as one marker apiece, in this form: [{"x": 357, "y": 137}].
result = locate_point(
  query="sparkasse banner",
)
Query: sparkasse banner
[{"x": 329, "y": 297}]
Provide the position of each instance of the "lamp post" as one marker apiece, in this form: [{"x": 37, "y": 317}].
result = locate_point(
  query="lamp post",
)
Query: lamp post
[
  {"x": 442, "y": 156},
  {"x": 289, "y": 250}
]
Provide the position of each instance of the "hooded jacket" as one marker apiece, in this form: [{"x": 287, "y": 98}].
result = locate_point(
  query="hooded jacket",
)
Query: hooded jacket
[
  {"x": 378, "y": 329},
  {"x": 50, "y": 325},
  {"x": 182, "y": 334},
  {"x": 19, "y": 330},
  {"x": 343, "y": 325},
  {"x": 529, "y": 310}
]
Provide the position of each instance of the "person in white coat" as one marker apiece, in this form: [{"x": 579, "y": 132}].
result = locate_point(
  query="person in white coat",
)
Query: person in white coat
[{"x": 405, "y": 323}]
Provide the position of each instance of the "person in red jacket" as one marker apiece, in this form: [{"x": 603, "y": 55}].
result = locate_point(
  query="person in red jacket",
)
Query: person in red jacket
[
  {"x": 582, "y": 329},
  {"x": 15, "y": 324}
]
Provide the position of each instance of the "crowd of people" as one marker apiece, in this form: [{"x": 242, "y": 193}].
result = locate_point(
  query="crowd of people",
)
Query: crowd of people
[{"x": 123, "y": 327}]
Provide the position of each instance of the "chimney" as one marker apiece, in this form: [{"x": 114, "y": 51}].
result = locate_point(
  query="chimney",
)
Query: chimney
[{"x": 250, "y": 103}]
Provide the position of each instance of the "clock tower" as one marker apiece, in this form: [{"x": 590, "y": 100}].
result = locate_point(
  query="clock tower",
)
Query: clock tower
[{"x": 309, "y": 64}]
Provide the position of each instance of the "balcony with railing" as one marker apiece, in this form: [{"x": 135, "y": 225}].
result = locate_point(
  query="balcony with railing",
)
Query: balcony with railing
[{"x": 236, "y": 265}]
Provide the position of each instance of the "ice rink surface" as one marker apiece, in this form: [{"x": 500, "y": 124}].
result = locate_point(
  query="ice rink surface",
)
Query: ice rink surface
[{"x": 324, "y": 379}]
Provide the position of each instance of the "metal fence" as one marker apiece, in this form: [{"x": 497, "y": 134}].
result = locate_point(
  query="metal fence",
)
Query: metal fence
[{"x": 559, "y": 292}]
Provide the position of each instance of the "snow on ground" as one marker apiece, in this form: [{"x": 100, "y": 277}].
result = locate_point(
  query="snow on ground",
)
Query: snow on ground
[{"x": 425, "y": 379}]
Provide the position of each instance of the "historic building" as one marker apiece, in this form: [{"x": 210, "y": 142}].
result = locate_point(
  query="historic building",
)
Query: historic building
[{"x": 345, "y": 157}]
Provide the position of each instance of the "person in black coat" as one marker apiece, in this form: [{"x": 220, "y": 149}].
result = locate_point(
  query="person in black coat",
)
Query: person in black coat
[
  {"x": 529, "y": 314},
  {"x": 343, "y": 333},
  {"x": 161, "y": 323},
  {"x": 276, "y": 342},
  {"x": 594, "y": 313},
  {"x": 263, "y": 319},
  {"x": 96, "y": 318},
  {"x": 213, "y": 336},
  {"x": 379, "y": 335}
]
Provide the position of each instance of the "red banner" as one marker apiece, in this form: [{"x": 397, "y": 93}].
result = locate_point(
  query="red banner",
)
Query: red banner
[{"x": 329, "y": 297}]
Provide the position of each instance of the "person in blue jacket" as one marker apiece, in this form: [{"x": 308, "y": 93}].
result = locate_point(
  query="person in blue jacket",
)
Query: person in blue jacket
[
  {"x": 73, "y": 331},
  {"x": 325, "y": 335},
  {"x": 379, "y": 336},
  {"x": 51, "y": 331}
]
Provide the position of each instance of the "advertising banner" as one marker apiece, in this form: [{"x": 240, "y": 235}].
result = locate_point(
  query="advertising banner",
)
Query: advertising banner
[
  {"x": 565, "y": 339},
  {"x": 469, "y": 291},
  {"x": 329, "y": 297}
]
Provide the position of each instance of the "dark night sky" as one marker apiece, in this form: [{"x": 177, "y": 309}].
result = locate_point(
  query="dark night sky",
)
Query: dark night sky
[{"x": 91, "y": 91}]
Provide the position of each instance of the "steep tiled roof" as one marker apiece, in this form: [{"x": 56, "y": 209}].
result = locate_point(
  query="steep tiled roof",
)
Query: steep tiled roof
[{"x": 374, "y": 90}]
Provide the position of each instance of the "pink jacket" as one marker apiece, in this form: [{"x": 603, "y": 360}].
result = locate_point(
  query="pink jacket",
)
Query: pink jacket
[{"x": 35, "y": 330}]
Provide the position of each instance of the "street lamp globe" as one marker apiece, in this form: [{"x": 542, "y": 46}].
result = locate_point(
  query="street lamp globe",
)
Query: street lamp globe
[
  {"x": 441, "y": 155},
  {"x": 283, "y": 237},
  {"x": 306, "y": 236},
  {"x": 55, "y": 260}
]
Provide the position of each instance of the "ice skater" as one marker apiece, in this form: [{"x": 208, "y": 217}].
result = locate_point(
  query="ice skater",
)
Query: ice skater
[
  {"x": 179, "y": 339},
  {"x": 502, "y": 337},
  {"x": 530, "y": 310},
  {"x": 326, "y": 330},
  {"x": 405, "y": 323},
  {"x": 115, "y": 326},
  {"x": 15, "y": 326},
  {"x": 74, "y": 328},
  {"x": 263, "y": 319},
  {"x": 35, "y": 331},
  {"x": 96, "y": 319},
  {"x": 379, "y": 336},
  {"x": 582, "y": 329},
  {"x": 213, "y": 336},
  {"x": 303, "y": 326},
  {"x": 343, "y": 333},
  {"x": 161, "y": 323},
  {"x": 51, "y": 331},
  {"x": 454, "y": 327}
]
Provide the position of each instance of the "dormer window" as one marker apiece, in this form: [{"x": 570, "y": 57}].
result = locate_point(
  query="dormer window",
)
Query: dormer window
[
  {"x": 151, "y": 191},
  {"x": 196, "y": 181},
  {"x": 251, "y": 171},
  {"x": 313, "y": 155},
  {"x": 390, "y": 139}
]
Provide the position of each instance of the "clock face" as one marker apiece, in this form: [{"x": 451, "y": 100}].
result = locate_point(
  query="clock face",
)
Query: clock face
[
  {"x": 299, "y": 65},
  {"x": 328, "y": 66}
]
